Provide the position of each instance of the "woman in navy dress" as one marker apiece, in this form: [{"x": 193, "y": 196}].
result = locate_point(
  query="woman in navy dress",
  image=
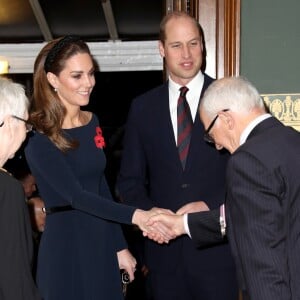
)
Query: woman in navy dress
[{"x": 82, "y": 248}]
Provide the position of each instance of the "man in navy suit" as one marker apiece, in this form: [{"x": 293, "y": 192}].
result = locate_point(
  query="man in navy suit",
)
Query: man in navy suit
[
  {"x": 263, "y": 190},
  {"x": 152, "y": 175}
]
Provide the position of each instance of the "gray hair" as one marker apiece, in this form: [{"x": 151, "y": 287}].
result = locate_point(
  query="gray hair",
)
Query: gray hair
[
  {"x": 13, "y": 100},
  {"x": 234, "y": 93}
]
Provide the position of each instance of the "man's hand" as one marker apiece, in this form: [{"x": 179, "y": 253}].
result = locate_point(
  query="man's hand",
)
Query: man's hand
[
  {"x": 160, "y": 233},
  {"x": 172, "y": 224},
  {"x": 192, "y": 207}
]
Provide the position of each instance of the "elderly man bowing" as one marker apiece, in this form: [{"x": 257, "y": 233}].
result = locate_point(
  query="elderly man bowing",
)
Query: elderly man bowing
[{"x": 263, "y": 191}]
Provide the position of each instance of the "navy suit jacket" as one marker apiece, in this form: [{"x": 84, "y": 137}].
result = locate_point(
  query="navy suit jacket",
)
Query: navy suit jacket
[
  {"x": 151, "y": 175},
  {"x": 263, "y": 212}
]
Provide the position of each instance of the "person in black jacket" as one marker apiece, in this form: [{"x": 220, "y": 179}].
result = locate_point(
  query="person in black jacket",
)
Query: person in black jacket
[
  {"x": 16, "y": 281},
  {"x": 154, "y": 174},
  {"x": 262, "y": 200}
]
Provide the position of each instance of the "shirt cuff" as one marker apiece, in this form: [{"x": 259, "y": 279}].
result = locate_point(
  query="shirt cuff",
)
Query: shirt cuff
[
  {"x": 222, "y": 220},
  {"x": 186, "y": 225}
]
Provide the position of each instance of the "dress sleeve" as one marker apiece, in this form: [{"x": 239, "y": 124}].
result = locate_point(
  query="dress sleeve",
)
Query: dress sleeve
[
  {"x": 118, "y": 235},
  {"x": 48, "y": 165}
]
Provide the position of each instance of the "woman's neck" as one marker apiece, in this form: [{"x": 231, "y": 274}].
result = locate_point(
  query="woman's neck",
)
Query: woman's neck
[{"x": 75, "y": 120}]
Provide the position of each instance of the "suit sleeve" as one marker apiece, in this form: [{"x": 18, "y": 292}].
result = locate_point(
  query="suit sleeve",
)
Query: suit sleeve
[
  {"x": 257, "y": 226},
  {"x": 132, "y": 180},
  {"x": 205, "y": 228}
]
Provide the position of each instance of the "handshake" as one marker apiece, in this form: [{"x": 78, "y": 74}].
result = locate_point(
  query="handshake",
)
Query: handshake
[{"x": 162, "y": 225}]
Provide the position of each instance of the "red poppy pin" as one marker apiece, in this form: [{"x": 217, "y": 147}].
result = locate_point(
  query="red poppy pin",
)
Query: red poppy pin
[{"x": 99, "y": 139}]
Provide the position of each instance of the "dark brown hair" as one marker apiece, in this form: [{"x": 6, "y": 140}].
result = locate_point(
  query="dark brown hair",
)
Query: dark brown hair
[{"x": 47, "y": 112}]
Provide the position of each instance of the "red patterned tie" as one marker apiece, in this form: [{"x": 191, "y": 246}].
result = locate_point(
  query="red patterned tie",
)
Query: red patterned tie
[{"x": 184, "y": 126}]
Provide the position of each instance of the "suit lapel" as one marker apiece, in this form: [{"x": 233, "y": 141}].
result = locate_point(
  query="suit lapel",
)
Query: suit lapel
[
  {"x": 198, "y": 129},
  {"x": 166, "y": 127}
]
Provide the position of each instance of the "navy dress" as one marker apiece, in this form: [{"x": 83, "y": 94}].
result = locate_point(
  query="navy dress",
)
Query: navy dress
[{"x": 77, "y": 255}]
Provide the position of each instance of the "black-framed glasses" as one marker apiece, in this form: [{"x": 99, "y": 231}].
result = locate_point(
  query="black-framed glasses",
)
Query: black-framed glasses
[
  {"x": 27, "y": 124},
  {"x": 207, "y": 137}
]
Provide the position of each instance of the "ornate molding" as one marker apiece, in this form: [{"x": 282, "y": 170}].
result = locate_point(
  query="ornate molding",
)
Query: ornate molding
[{"x": 285, "y": 107}]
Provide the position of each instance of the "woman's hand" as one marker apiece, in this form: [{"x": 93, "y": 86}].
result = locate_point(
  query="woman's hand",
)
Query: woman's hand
[
  {"x": 160, "y": 233},
  {"x": 127, "y": 262}
]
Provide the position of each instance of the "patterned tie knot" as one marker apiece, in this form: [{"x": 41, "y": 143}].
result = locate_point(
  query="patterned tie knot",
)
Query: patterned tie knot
[{"x": 183, "y": 91}]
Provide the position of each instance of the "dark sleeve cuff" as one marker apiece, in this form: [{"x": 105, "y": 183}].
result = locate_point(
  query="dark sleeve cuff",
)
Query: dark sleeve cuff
[{"x": 205, "y": 228}]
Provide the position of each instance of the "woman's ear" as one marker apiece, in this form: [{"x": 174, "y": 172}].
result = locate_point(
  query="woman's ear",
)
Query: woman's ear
[{"x": 52, "y": 79}]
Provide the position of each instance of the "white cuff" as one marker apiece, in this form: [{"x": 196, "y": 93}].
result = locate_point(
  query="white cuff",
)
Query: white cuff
[
  {"x": 186, "y": 226},
  {"x": 222, "y": 220}
]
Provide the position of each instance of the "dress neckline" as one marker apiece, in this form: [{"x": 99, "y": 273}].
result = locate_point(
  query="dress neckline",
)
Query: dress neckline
[{"x": 82, "y": 126}]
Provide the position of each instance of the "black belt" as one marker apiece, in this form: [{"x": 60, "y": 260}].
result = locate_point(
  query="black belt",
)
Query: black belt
[{"x": 55, "y": 209}]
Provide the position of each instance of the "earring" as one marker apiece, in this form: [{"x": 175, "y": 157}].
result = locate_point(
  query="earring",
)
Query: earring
[{"x": 55, "y": 90}]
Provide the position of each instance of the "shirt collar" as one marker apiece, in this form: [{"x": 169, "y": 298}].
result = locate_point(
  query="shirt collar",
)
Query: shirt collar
[
  {"x": 194, "y": 86},
  {"x": 250, "y": 127}
]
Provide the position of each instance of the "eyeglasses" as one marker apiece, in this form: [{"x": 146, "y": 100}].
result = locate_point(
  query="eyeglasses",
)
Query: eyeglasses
[
  {"x": 27, "y": 124},
  {"x": 207, "y": 137}
]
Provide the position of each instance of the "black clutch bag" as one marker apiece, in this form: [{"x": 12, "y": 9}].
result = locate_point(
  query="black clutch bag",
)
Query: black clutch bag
[{"x": 125, "y": 279}]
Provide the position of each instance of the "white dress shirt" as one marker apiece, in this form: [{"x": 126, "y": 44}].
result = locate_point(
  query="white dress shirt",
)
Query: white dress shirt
[{"x": 192, "y": 97}]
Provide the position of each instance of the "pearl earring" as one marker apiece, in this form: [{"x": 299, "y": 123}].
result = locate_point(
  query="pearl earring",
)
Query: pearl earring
[{"x": 55, "y": 90}]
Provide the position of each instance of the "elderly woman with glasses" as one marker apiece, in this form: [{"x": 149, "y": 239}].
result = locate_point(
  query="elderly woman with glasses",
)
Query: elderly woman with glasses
[{"x": 16, "y": 281}]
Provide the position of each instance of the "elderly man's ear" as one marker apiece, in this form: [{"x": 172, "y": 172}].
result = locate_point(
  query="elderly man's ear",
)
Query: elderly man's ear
[{"x": 227, "y": 119}]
